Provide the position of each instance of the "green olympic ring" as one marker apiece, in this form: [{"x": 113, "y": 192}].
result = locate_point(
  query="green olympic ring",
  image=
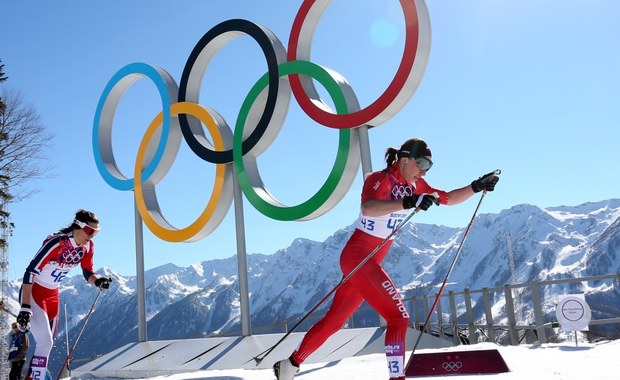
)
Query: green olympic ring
[{"x": 343, "y": 171}]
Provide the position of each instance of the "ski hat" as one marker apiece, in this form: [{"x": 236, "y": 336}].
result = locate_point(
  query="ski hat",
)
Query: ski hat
[{"x": 415, "y": 148}]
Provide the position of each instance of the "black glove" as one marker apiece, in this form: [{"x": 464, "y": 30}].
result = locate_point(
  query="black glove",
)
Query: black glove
[
  {"x": 103, "y": 282},
  {"x": 23, "y": 317},
  {"x": 422, "y": 201},
  {"x": 486, "y": 182}
]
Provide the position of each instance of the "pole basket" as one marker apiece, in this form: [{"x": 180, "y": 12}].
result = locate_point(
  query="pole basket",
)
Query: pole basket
[{"x": 456, "y": 363}]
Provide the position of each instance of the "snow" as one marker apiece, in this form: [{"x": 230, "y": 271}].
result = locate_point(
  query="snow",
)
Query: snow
[
  {"x": 564, "y": 215},
  {"x": 561, "y": 361}
]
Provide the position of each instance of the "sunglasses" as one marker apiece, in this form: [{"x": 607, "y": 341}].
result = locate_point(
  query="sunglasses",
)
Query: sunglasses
[
  {"x": 424, "y": 163},
  {"x": 89, "y": 230}
]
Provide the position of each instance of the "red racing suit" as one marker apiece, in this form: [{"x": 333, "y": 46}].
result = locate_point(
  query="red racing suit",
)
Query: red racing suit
[
  {"x": 371, "y": 283},
  {"x": 56, "y": 257}
]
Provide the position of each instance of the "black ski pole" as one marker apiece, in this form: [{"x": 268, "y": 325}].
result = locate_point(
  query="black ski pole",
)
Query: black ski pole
[
  {"x": 264, "y": 354},
  {"x": 68, "y": 359},
  {"x": 445, "y": 280}
]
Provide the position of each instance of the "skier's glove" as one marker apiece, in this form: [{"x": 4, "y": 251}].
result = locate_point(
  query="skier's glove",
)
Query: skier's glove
[
  {"x": 486, "y": 182},
  {"x": 103, "y": 282},
  {"x": 421, "y": 201},
  {"x": 23, "y": 317}
]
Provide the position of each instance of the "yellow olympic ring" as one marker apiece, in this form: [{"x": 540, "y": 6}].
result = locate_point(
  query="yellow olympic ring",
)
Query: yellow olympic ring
[{"x": 221, "y": 197}]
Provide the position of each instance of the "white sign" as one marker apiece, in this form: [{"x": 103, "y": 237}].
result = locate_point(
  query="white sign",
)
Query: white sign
[{"x": 573, "y": 312}]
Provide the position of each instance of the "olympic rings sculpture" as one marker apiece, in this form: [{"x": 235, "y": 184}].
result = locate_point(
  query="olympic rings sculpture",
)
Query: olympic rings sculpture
[{"x": 260, "y": 119}]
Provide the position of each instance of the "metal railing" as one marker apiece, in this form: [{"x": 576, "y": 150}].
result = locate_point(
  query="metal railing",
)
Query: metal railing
[
  {"x": 535, "y": 304},
  {"x": 529, "y": 314}
]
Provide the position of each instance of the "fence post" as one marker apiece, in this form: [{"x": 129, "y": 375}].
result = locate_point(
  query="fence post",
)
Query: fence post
[
  {"x": 538, "y": 314},
  {"x": 512, "y": 320},
  {"x": 470, "y": 318},
  {"x": 439, "y": 316},
  {"x": 427, "y": 308},
  {"x": 488, "y": 314},
  {"x": 456, "y": 340},
  {"x": 416, "y": 311}
]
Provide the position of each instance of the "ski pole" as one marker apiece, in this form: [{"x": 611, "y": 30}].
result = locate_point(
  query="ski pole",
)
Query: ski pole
[
  {"x": 68, "y": 359},
  {"x": 9, "y": 312},
  {"x": 445, "y": 280},
  {"x": 264, "y": 354}
]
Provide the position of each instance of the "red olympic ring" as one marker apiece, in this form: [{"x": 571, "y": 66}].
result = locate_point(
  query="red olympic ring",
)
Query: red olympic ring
[{"x": 397, "y": 93}]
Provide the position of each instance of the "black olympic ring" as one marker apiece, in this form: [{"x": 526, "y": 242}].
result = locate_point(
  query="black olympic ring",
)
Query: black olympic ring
[{"x": 196, "y": 65}]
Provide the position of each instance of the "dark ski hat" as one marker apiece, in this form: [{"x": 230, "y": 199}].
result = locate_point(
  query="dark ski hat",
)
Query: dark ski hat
[{"x": 415, "y": 148}]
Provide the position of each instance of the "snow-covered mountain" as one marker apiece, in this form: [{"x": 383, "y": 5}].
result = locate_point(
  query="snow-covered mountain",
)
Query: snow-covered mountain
[{"x": 202, "y": 300}]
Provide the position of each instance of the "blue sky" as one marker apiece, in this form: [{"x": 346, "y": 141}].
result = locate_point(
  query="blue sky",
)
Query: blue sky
[{"x": 528, "y": 87}]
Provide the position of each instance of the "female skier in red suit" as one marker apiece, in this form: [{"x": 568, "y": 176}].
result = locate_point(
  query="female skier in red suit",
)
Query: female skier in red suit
[{"x": 386, "y": 196}]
